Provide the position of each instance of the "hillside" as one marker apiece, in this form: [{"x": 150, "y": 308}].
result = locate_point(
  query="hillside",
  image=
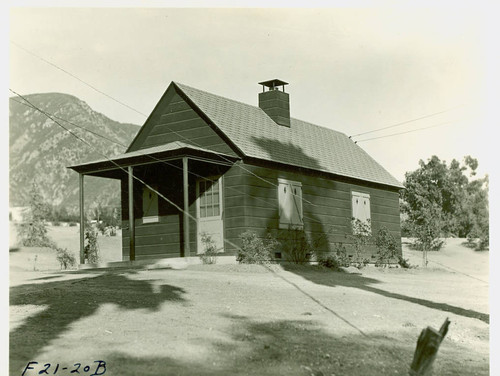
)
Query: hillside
[{"x": 41, "y": 150}]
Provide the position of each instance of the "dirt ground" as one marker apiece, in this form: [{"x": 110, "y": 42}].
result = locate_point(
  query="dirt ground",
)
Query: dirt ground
[{"x": 250, "y": 320}]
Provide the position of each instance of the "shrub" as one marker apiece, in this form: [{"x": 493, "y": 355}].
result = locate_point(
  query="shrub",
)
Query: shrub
[
  {"x": 56, "y": 223},
  {"x": 209, "y": 256},
  {"x": 296, "y": 245},
  {"x": 33, "y": 230},
  {"x": 483, "y": 242},
  {"x": 72, "y": 224},
  {"x": 387, "y": 247},
  {"x": 109, "y": 231},
  {"x": 329, "y": 261},
  {"x": 256, "y": 250},
  {"x": 91, "y": 248},
  {"x": 435, "y": 244},
  {"x": 361, "y": 235},
  {"x": 405, "y": 264},
  {"x": 336, "y": 259},
  {"x": 65, "y": 258}
]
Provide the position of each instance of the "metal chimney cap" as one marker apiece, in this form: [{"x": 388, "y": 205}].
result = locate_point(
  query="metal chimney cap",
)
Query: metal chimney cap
[{"x": 273, "y": 83}]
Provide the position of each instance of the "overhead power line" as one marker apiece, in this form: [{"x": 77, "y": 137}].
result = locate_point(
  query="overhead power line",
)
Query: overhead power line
[
  {"x": 70, "y": 122},
  {"x": 400, "y": 133},
  {"x": 407, "y": 121},
  {"x": 99, "y": 152},
  {"x": 186, "y": 213},
  {"x": 78, "y": 78}
]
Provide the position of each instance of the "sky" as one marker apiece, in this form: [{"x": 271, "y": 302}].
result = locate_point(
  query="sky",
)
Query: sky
[{"x": 352, "y": 70}]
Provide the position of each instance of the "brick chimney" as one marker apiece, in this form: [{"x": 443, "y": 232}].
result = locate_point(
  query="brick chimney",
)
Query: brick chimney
[{"x": 275, "y": 102}]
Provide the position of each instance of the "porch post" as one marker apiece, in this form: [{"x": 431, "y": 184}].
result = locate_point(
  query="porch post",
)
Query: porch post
[
  {"x": 131, "y": 219},
  {"x": 82, "y": 221},
  {"x": 185, "y": 186}
]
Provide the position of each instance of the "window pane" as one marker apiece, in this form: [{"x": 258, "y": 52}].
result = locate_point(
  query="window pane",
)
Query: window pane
[
  {"x": 210, "y": 211},
  {"x": 215, "y": 186},
  {"x": 203, "y": 212},
  {"x": 216, "y": 210}
]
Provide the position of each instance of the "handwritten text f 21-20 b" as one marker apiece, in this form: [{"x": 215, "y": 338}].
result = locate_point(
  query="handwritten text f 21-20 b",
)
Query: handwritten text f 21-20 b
[{"x": 35, "y": 368}]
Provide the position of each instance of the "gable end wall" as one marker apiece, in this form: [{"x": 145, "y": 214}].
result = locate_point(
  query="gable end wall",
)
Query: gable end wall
[{"x": 174, "y": 120}]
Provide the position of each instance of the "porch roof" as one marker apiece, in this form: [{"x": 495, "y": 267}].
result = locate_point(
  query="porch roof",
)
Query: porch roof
[{"x": 155, "y": 154}]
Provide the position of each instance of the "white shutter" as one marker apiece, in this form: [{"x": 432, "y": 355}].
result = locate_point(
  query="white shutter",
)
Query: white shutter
[
  {"x": 361, "y": 206},
  {"x": 285, "y": 204},
  {"x": 296, "y": 197},
  {"x": 290, "y": 203},
  {"x": 366, "y": 209}
]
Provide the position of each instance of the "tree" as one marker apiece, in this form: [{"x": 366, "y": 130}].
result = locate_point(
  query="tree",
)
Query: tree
[
  {"x": 33, "y": 230},
  {"x": 439, "y": 200}
]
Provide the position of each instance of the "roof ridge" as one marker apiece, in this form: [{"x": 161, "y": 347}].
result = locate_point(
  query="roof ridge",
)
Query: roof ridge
[
  {"x": 216, "y": 95},
  {"x": 321, "y": 148},
  {"x": 253, "y": 106}
]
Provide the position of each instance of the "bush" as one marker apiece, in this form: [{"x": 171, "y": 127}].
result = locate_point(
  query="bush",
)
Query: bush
[
  {"x": 483, "y": 242},
  {"x": 329, "y": 261},
  {"x": 56, "y": 223},
  {"x": 109, "y": 231},
  {"x": 387, "y": 247},
  {"x": 296, "y": 246},
  {"x": 65, "y": 258},
  {"x": 91, "y": 248},
  {"x": 435, "y": 244},
  {"x": 33, "y": 230},
  {"x": 336, "y": 259},
  {"x": 72, "y": 224},
  {"x": 361, "y": 235},
  {"x": 210, "y": 254},
  {"x": 404, "y": 263},
  {"x": 255, "y": 250}
]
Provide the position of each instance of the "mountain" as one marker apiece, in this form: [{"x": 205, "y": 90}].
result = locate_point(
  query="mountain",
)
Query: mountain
[{"x": 41, "y": 150}]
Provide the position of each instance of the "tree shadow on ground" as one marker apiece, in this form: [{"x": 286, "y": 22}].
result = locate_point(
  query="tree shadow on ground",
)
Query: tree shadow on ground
[
  {"x": 71, "y": 300},
  {"x": 332, "y": 279},
  {"x": 296, "y": 347}
]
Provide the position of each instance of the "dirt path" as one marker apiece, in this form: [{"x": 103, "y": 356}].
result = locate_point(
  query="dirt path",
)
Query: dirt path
[{"x": 231, "y": 319}]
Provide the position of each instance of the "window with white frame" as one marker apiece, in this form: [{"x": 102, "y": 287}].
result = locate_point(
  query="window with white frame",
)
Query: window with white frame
[
  {"x": 361, "y": 209},
  {"x": 209, "y": 198},
  {"x": 290, "y": 204},
  {"x": 150, "y": 205}
]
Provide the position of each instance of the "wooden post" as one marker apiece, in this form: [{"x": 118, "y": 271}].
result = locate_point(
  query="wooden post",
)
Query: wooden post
[
  {"x": 427, "y": 346},
  {"x": 82, "y": 222},
  {"x": 131, "y": 219},
  {"x": 185, "y": 187}
]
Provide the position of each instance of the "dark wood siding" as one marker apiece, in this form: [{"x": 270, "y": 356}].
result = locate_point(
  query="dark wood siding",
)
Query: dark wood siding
[
  {"x": 234, "y": 214},
  {"x": 164, "y": 238},
  {"x": 174, "y": 120},
  {"x": 326, "y": 205}
]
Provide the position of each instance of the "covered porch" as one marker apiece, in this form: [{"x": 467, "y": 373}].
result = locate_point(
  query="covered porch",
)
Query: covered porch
[{"x": 170, "y": 195}]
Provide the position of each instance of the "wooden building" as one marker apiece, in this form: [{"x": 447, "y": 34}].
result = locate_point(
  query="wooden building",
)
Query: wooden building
[{"x": 203, "y": 163}]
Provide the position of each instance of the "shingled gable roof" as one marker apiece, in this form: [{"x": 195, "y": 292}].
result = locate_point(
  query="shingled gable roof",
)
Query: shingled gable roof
[{"x": 304, "y": 144}]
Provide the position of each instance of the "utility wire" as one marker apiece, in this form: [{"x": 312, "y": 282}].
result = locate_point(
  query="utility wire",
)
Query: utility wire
[
  {"x": 105, "y": 156},
  {"x": 406, "y": 122},
  {"x": 116, "y": 100},
  {"x": 77, "y": 78},
  {"x": 70, "y": 122},
  {"x": 266, "y": 202},
  {"x": 173, "y": 131},
  {"x": 413, "y": 130},
  {"x": 189, "y": 215}
]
